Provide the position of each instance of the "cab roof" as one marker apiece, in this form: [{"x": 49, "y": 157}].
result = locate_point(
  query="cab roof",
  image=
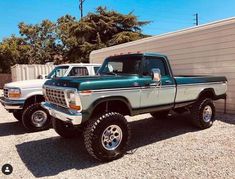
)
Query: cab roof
[
  {"x": 140, "y": 54},
  {"x": 79, "y": 64}
]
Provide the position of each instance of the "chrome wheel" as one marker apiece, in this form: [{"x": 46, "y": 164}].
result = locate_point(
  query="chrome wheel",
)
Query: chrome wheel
[
  {"x": 207, "y": 113},
  {"x": 39, "y": 118},
  {"x": 111, "y": 137}
]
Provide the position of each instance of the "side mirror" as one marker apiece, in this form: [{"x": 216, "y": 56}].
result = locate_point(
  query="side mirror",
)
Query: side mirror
[
  {"x": 40, "y": 77},
  {"x": 156, "y": 75}
]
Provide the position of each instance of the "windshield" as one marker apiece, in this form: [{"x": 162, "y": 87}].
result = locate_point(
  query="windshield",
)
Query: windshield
[
  {"x": 121, "y": 65},
  {"x": 58, "y": 72}
]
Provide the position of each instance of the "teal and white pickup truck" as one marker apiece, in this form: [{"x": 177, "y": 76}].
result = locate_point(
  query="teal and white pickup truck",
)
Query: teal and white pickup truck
[{"x": 127, "y": 85}]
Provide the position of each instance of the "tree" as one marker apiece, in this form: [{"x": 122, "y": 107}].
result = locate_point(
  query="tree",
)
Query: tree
[
  {"x": 13, "y": 50},
  {"x": 103, "y": 28},
  {"x": 69, "y": 40},
  {"x": 42, "y": 39}
]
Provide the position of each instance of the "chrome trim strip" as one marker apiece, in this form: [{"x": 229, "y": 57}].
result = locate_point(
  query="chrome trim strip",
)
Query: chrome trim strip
[
  {"x": 116, "y": 89},
  {"x": 134, "y": 88},
  {"x": 206, "y": 83}
]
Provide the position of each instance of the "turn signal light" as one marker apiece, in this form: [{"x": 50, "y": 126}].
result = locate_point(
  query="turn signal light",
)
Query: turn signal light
[
  {"x": 72, "y": 106},
  {"x": 14, "y": 95}
]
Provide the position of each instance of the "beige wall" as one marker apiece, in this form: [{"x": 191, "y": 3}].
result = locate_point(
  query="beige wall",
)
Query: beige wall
[{"x": 203, "y": 50}]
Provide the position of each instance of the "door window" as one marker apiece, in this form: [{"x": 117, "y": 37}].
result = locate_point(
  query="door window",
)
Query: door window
[
  {"x": 78, "y": 71},
  {"x": 150, "y": 63}
]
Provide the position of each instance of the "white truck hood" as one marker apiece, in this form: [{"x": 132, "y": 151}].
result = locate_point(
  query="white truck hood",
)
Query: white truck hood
[{"x": 38, "y": 83}]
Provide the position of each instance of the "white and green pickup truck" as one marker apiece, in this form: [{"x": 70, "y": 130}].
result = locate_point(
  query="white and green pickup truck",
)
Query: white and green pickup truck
[
  {"x": 23, "y": 98},
  {"x": 127, "y": 85}
]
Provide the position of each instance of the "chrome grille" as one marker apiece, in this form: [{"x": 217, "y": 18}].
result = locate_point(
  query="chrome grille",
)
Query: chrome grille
[
  {"x": 5, "y": 92},
  {"x": 56, "y": 96}
]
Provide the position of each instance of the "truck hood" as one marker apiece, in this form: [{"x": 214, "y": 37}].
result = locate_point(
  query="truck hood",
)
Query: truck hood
[
  {"x": 38, "y": 83},
  {"x": 95, "y": 82}
]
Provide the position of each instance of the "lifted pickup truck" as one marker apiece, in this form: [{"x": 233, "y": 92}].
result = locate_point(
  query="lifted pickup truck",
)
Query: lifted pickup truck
[
  {"x": 127, "y": 85},
  {"x": 23, "y": 98}
]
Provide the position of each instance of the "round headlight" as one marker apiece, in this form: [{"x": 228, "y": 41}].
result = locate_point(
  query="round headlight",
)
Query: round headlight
[
  {"x": 73, "y": 100},
  {"x": 71, "y": 96}
]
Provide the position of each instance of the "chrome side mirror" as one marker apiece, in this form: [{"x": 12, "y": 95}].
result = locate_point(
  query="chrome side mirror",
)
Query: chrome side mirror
[{"x": 156, "y": 75}]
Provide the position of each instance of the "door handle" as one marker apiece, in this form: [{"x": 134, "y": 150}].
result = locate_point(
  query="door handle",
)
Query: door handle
[
  {"x": 168, "y": 81},
  {"x": 153, "y": 84}
]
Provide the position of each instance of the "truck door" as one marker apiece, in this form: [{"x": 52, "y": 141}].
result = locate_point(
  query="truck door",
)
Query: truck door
[{"x": 157, "y": 95}]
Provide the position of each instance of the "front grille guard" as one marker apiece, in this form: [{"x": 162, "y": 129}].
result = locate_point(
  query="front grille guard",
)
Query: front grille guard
[{"x": 57, "y": 95}]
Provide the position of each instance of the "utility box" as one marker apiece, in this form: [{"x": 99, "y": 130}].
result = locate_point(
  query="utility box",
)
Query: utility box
[
  {"x": 201, "y": 50},
  {"x": 21, "y": 72}
]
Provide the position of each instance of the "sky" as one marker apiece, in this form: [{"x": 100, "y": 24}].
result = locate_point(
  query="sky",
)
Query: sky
[{"x": 165, "y": 15}]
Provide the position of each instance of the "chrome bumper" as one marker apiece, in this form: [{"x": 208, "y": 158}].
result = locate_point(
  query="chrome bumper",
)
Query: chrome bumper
[
  {"x": 12, "y": 104},
  {"x": 63, "y": 114}
]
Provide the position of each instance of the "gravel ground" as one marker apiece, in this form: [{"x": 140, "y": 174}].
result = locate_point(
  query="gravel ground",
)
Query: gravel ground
[{"x": 158, "y": 149}]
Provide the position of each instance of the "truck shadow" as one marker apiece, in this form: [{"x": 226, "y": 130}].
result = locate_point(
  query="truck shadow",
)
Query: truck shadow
[
  {"x": 11, "y": 128},
  {"x": 227, "y": 118},
  {"x": 50, "y": 156},
  {"x": 145, "y": 132}
]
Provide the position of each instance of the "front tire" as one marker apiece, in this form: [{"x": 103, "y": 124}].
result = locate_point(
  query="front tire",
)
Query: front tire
[
  {"x": 18, "y": 114},
  {"x": 203, "y": 113},
  {"x": 106, "y": 137},
  {"x": 36, "y": 118}
]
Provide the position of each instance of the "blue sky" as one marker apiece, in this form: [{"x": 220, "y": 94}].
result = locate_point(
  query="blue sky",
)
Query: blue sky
[{"x": 166, "y": 15}]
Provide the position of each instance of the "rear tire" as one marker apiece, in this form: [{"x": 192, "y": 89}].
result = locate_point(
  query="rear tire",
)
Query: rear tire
[
  {"x": 64, "y": 129},
  {"x": 203, "y": 113},
  {"x": 36, "y": 118},
  {"x": 160, "y": 115},
  {"x": 18, "y": 114},
  {"x": 106, "y": 137}
]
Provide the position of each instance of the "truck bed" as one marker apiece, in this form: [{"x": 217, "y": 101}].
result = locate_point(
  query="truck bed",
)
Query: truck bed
[{"x": 189, "y": 87}]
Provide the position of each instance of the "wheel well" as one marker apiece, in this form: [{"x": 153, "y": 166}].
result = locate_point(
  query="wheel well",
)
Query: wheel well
[
  {"x": 111, "y": 106},
  {"x": 207, "y": 93},
  {"x": 34, "y": 99}
]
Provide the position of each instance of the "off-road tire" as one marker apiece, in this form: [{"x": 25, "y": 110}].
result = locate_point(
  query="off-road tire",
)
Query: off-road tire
[
  {"x": 160, "y": 115},
  {"x": 93, "y": 136},
  {"x": 197, "y": 113},
  {"x": 27, "y": 118},
  {"x": 18, "y": 114},
  {"x": 64, "y": 129}
]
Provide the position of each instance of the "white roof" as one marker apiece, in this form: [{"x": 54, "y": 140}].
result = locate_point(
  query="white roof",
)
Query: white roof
[
  {"x": 153, "y": 38},
  {"x": 68, "y": 64},
  {"x": 80, "y": 64}
]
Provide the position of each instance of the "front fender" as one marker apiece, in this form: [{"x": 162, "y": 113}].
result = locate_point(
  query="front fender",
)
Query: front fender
[
  {"x": 31, "y": 92},
  {"x": 88, "y": 112}
]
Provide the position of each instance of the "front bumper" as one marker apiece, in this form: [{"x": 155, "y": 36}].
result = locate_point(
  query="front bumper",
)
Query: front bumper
[
  {"x": 12, "y": 104},
  {"x": 63, "y": 114}
]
